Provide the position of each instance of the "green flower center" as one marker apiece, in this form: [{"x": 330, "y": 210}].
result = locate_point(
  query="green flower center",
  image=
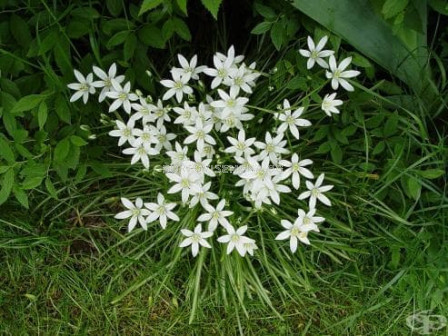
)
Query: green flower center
[
  {"x": 241, "y": 146},
  {"x": 270, "y": 148},
  {"x": 222, "y": 73},
  {"x": 185, "y": 183},
  {"x": 195, "y": 238},
  {"x": 235, "y": 238},
  {"x": 123, "y": 96}
]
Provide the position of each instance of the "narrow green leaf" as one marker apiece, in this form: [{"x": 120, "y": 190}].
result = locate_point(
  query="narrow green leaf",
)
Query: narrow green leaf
[
  {"x": 7, "y": 183},
  {"x": 148, "y": 5},
  {"x": 152, "y": 36},
  {"x": 28, "y": 102},
  {"x": 21, "y": 196},
  {"x": 77, "y": 141},
  {"x": 415, "y": 187},
  {"x": 182, "y": 5},
  {"x": 277, "y": 35},
  {"x": 129, "y": 47},
  {"x": 42, "y": 114},
  {"x": 62, "y": 109},
  {"x": 6, "y": 151},
  {"x": 115, "y": 7},
  {"x": 431, "y": 173},
  {"x": 117, "y": 39},
  {"x": 20, "y": 30},
  {"x": 181, "y": 29},
  {"x": 261, "y": 28},
  {"x": 392, "y": 8},
  {"x": 61, "y": 150},
  {"x": 212, "y": 6},
  {"x": 50, "y": 187}
]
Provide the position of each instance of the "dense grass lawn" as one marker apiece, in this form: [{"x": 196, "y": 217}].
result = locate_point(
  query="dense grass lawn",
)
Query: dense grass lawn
[{"x": 379, "y": 261}]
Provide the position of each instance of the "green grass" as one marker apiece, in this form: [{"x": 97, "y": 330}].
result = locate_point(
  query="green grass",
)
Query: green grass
[{"x": 69, "y": 267}]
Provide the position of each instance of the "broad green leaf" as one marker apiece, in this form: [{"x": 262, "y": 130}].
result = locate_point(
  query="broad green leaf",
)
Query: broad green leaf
[
  {"x": 336, "y": 153},
  {"x": 117, "y": 39},
  {"x": 28, "y": 102},
  {"x": 85, "y": 13},
  {"x": 379, "y": 148},
  {"x": 32, "y": 182},
  {"x": 20, "y": 31},
  {"x": 61, "y": 150},
  {"x": 42, "y": 114},
  {"x": 181, "y": 29},
  {"x": 6, "y": 151},
  {"x": 77, "y": 141},
  {"x": 50, "y": 188},
  {"x": 115, "y": 7},
  {"x": 265, "y": 11},
  {"x": 297, "y": 83},
  {"x": 390, "y": 127},
  {"x": 182, "y": 5},
  {"x": 415, "y": 187},
  {"x": 392, "y": 8},
  {"x": 261, "y": 28},
  {"x": 431, "y": 173},
  {"x": 62, "y": 109},
  {"x": 78, "y": 28},
  {"x": 129, "y": 47},
  {"x": 277, "y": 35},
  {"x": 152, "y": 36},
  {"x": 7, "y": 183},
  {"x": 148, "y": 5},
  {"x": 212, "y": 6},
  {"x": 440, "y": 6}
]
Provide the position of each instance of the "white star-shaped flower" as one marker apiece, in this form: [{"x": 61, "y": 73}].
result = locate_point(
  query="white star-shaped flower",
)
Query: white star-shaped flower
[
  {"x": 338, "y": 74},
  {"x": 296, "y": 168},
  {"x": 187, "y": 115},
  {"x": 161, "y": 210},
  {"x": 315, "y": 192},
  {"x": 195, "y": 239},
  {"x": 291, "y": 120},
  {"x": 106, "y": 80},
  {"x": 215, "y": 216},
  {"x": 177, "y": 86},
  {"x": 236, "y": 240},
  {"x": 229, "y": 103},
  {"x": 329, "y": 104},
  {"x": 272, "y": 147},
  {"x": 240, "y": 146},
  {"x": 315, "y": 53},
  {"x": 125, "y": 132},
  {"x": 186, "y": 182},
  {"x": 83, "y": 88},
  {"x": 122, "y": 96},
  {"x": 135, "y": 211},
  {"x": 200, "y": 134},
  {"x": 141, "y": 153},
  {"x": 188, "y": 69},
  {"x": 295, "y": 232},
  {"x": 203, "y": 196}
]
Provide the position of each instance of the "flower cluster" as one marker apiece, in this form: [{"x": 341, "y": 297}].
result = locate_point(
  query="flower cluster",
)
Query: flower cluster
[{"x": 266, "y": 167}]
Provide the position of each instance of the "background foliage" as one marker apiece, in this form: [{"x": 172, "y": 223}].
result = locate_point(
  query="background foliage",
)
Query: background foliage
[{"x": 68, "y": 267}]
